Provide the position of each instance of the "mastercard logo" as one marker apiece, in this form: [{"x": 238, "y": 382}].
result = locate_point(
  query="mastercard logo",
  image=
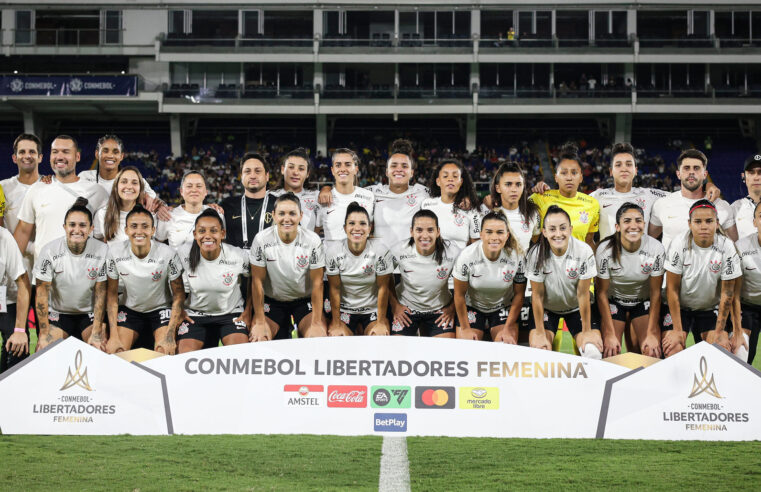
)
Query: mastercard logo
[{"x": 435, "y": 397}]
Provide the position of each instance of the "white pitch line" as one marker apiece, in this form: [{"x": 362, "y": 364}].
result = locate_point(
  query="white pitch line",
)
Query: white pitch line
[{"x": 394, "y": 466}]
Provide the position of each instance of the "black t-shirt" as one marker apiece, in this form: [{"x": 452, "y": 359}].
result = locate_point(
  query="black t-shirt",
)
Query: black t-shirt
[{"x": 255, "y": 207}]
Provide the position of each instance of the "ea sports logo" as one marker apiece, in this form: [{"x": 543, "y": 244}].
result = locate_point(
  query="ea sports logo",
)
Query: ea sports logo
[
  {"x": 715, "y": 266},
  {"x": 381, "y": 397}
]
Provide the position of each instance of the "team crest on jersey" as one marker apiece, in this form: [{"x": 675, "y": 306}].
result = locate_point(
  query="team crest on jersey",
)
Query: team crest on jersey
[
  {"x": 309, "y": 204},
  {"x": 471, "y": 316},
  {"x": 441, "y": 273},
  {"x": 508, "y": 275},
  {"x": 667, "y": 321},
  {"x": 715, "y": 266},
  {"x": 156, "y": 276},
  {"x": 524, "y": 225},
  {"x": 53, "y": 316},
  {"x": 573, "y": 273},
  {"x": 411, "y": 200},
  {"x": 92, "y": 273},
  {"x": 121, "y": 317},
  {"x": 326, "y": 306},
  {"x": 183, "y": 329},
  {"x": 345, "y": 317},
  {"x": 396, "y": 326},
  {"x": 646, "y": 267},
  {"x": 459, "y": 219},
  {"x": 641, "y": 202},
  {"x": 302, "y": 260},
  {"x": 584, "y": 217},
  {"x": 613, "y": 309},
  {"x": 367, "y": 269},
  {"x": 227, "y": 279}
]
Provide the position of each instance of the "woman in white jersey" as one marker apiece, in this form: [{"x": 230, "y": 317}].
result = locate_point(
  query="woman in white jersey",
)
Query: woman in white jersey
[
  {"x": 561, "y": 268},
  {"x": 13, "y": 311},
  {"x": 748, "y": 291},
  {"x": 454, "y": 200},
  {"x": 212, "y": 274},
  {"x": 422, "y": 303},
  {"x": 70, "y": 274},
  {"x": 359, "y": 271},
  {"x": 179, "y": 229},
  {"x": 630, "y": 268},
  {"x": 294, "y": 173},
  {"x": 701, "y": 268},
  {"x": 330, "y": 218},
  {"x": 146, "y": 269},
  {"x": 287, "y": 265},
  {"x": 489, "y": 283},
  {"x": 110, "y": 220},
  {"x": 509, "y": 195}
]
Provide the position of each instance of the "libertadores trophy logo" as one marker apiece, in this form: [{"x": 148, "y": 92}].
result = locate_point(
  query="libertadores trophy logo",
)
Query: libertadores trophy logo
[
  {"x": 704, "y": 385},
  {"x": 78, "y": 377}
]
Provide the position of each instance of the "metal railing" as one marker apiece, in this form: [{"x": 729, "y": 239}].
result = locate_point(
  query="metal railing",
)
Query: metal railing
[
  {"x": 189, "y": 40},
  {"x": 68, "y": 37}
]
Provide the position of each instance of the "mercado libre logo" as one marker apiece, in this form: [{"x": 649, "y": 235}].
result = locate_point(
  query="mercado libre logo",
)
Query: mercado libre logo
[
  {"x": 391, "y": 397},
  {"x": 78, "y": 377},
  {"x": 435, "y": 397},
  {"x": 479, "y": 398}
]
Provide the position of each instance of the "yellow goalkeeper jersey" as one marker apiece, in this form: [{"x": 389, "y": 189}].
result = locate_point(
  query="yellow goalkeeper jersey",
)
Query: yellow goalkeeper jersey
[{"x": 582, "y": 208}]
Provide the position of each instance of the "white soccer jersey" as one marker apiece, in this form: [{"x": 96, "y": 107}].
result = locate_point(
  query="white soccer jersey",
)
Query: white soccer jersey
[
  {"x": 456, "y": 225},
  {"x": 743, "y": 209},
  {"x": 359, "y": 288},
  {"x": 611, "y": 200},
  {"x": 11, "y": 264},
  {"x": 287, "y": 265},
  {"x": 91, "y": 176},
  {"x": 179, "y": 229},
  {"x": 672, "y": 212},
  {"x": 332, "y": 218},
  {"x": 490, "y": 283},
  {"x": 214, "y": 287},
  {"x": 72, "y": 277},
  {"x": 523, "y": 229},
  {"x": 15, "y": 192},
  {"x": 45, "y": 206},
  {"x": 561, "y": 275},
  {"x": 702, "y": 270},
  {"x": 393, "y": 212},
  {"x": 424, "y": 284},
  {"x": 750, "y": 258},
  {"x": 630, "y": 278},
  {"x": 309, "y": 206},
  {"x": 145, "y": 280}
]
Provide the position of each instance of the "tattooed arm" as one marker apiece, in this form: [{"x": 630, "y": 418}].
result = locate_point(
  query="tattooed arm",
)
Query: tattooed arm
[
  {"x": 169, "y": 344},
  {"x": 41, "y": 310},
  {"x": 725, "y": 303},
  {"x": 98, "y": 334}
]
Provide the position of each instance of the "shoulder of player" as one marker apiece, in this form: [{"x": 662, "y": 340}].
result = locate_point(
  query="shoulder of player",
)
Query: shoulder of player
[
  {"x": 451, "y": 251},
  {"x": 430, "y": 202},
  {"x": 230, "y": 250},
  {"x": 652, "y": 244},
  {"x": 581, "y": 247},
  {"x": 96, "y": 247},
  {"x": 307, "y": 235},
  {"x": 748, "y": 243},
  {"x": 586, "y": 199}
]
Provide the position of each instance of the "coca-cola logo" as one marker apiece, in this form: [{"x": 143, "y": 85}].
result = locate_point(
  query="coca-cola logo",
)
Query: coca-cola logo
[{"x": 347, "y": 396}]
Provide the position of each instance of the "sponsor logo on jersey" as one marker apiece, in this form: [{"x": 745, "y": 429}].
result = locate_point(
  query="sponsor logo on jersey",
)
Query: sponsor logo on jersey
[
  {"x": 573, "y": 273},
  {"x": 646, "y": 267},
  {"x": 479, "y": 398},
  {"x": 390, "y": 422},
  {"x": 441, "y": 273},
  {"x": 584, "y": 217},
  {"x": 302, "y": 261},
  {"x": 304, "y": 395},
  {"x": 391, "y": 397},
  {"x": 435, "y": 397},
  {"x": 92, "y": 273},
  {"x": 227, "y": 279},
  {"x": 508, "y": 275},
  {"x": 156, "y": 276},
  {"x": 715, "y": 266},
  {"x": 347, "y": 396}
]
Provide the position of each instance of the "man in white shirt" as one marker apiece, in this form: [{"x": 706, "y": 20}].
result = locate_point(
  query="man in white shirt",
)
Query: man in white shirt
[
  {"x": 44, "y": 207},
  {"x": 670, "y": 215},
  {"x": 744, "y": 207}
]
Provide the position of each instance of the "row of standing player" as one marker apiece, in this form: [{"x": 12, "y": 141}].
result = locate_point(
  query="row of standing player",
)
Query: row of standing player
[{"x": 449, "y": 183}]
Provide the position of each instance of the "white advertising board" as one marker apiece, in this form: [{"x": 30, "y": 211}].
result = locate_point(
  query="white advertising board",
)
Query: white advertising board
[
  {"x": 702, "y": 393},
  {"x": 379, "y": 385},
  {"x": 73, "y": 388}
]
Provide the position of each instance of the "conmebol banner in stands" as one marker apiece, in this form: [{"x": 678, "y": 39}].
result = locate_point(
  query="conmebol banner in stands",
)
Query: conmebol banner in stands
[{"x": 84, "y": 85}]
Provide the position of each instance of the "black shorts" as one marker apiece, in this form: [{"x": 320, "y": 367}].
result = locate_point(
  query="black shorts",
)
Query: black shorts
[
  {"x": 7, "y": 326},
  {"x": 210, "y": 329},
  {"x": 143, "y": 323},
  {"x": 72, "y": 324},
  {"x": 524, "y": 318},
  {"x": 619, "y": 312},
  {"x": 357, "y": 322},
  {"x": 423, "y": 323},
  {"x": 281, "y": 311},
  {"x": 696, "y": 322},
  {"x": 479, "y": 320},
  {"x": 751, "y": 320}
]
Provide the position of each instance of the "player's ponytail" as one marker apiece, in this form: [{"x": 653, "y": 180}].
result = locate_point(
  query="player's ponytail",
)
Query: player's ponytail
[
  {"x": 438, "y": 254},
  {"x": 542, "y": 247},
  {"x": 195, "y": 249},
  {"x": 403, "y": 147},
  {"x": 614, "y": 240}
]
